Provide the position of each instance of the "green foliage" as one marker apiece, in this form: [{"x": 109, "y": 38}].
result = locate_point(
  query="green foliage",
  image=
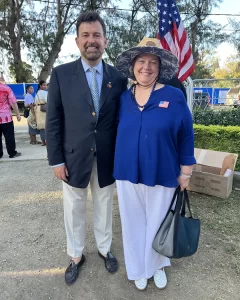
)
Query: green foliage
[
  {"x": 219, "y": 138},
  {"x": 235, "y": 36},
  {"x": 223, "y": 117},
  {"x": 41, "y": 27},
  {"x": 201, "y": 71},
  {"x": 207, "y": 64},
  {"x": 26, "y": 72},
  {"x": 231, "y": 69},
  {"x": 125, "y": 30}
]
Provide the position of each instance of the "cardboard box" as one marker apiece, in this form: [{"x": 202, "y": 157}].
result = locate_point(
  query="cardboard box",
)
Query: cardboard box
[{"x": 213, "y": 173}]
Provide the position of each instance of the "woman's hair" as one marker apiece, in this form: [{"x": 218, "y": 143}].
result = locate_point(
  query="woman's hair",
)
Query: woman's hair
[
  {"x": 27, "y": 87},
  {"x": 41, "y": 82}
]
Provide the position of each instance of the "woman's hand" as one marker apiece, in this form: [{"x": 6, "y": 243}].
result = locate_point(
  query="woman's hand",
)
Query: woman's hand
[{"x": 183, "y": 182}]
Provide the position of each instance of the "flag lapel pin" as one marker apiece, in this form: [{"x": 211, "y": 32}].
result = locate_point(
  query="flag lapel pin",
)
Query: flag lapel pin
[{"x": 163, "y": 104}]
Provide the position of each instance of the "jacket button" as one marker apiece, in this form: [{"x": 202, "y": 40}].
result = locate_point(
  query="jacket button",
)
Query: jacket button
[
  {"x": 91, "y": 149},
  {"x": 94, "y": 114},
  {"x": 95, "y": 131}
]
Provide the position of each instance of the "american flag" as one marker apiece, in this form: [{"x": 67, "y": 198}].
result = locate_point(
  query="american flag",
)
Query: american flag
[
  {"x": 173, "y": 36},
  {"x": 163, "y": 104}
]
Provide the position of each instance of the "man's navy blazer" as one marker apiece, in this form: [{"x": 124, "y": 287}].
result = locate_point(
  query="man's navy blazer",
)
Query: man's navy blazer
[{"x": 73, "y": 131}]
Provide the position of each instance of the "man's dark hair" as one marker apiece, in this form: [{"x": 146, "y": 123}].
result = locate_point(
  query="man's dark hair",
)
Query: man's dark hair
[
  {"x": 27, "y": 87},
  {"x": 88, "y": 17}
]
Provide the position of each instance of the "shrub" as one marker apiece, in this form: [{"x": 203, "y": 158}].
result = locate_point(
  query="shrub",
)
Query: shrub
[
  {"x": 219, "y": 138},
  {"x": 223, "y": 117}
]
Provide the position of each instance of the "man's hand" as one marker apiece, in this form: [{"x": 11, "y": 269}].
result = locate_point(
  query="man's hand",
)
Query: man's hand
[{"x": 61, "y": 172}]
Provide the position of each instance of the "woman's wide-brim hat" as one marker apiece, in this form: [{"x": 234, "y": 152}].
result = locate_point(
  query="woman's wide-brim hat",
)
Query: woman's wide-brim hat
[{"x": 169, "y": 62}]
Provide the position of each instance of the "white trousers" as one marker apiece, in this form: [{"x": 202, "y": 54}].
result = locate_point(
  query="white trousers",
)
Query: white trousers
[
  {"x": 75, "y": 215},
  {"x": 142, "y": 210}
]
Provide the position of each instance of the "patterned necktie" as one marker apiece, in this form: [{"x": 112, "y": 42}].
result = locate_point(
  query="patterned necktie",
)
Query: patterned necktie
[{"x": 94, "y": 90}]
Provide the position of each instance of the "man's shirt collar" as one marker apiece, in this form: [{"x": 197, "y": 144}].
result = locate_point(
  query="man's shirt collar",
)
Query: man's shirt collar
[{"x": 98, "y": 67}]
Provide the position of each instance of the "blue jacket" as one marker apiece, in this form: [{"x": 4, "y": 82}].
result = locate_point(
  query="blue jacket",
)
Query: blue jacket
[{"x": 153, "y": 143}]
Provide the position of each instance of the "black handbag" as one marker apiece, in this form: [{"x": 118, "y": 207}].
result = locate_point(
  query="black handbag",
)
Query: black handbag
[
  {"x": 178, "y": 235},
  {"x": 26, "y": 112}
]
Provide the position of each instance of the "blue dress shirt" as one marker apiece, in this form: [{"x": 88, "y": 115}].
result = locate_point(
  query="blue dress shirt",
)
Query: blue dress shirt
[{"x": 153, "y": 143}]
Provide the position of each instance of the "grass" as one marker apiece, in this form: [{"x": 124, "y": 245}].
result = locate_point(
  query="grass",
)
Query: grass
[{"x": 220, "y": 223}]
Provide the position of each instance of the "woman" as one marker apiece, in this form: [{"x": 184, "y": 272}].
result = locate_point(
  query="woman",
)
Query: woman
[
  {"x": 41, "y": 101},
  {"x": 29, "y": 104},
  {"x": 154, "y": 154}
]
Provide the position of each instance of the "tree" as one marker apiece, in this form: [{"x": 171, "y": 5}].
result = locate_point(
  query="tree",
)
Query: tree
[
  {"x": 231, "y": 68},
  {"x": 235, "y": 36},
  {"x": 206, "y": 67},
  {"x": 54, "y": 22},
  {"x": 126, "y": 30},
  {"x": 12, "y": 27},
  {"x": 26, "y": 72},
  {"x": 41, "y": 32}
]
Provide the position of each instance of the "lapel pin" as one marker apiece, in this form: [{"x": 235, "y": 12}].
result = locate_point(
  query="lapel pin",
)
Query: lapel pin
[
  {"x": 109, "y": 85},
  {"x": 163, "y": 104}
]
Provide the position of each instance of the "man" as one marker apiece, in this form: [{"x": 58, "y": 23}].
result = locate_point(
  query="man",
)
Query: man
[
  {"x": 8, "y": 100},
  {"x": 81, "y": 128}
]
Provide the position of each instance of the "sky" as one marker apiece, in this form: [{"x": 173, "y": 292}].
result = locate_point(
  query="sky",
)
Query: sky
[
  {"x": 223, "y": 51},
  {"x": 227, "y": 7}
]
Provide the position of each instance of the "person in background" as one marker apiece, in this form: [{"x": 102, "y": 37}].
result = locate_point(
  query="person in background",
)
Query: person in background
[
  {"x": 8, "y": 100},
  {"x": 41, "y": 99},
  {"x": 29, "y": 104},
  {"x": 175, "y": 82},
  {"x": 154, "y": 154}
]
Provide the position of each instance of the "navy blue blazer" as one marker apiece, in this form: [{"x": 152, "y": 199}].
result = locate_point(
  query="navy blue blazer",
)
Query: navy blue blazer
[{"x": 72, "y": 128}]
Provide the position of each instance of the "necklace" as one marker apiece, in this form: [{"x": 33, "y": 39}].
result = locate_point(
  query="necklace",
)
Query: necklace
[{"x": 134, "y": 95}]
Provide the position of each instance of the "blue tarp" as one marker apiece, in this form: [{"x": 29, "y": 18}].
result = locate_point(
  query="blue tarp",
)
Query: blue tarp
[
  {"x": 19, "y": 89},
  {"x": 217, "y": 95}
]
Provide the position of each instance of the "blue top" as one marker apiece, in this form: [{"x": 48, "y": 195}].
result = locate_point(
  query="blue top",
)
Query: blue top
[
  {"x": 99, "y": 77},
  {"x": 153, "y": 143}
]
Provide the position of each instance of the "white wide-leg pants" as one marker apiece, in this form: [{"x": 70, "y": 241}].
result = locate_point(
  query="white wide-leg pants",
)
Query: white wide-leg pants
[
  {"x": 142, "y": 210},
  {"x": 75, "y": 215}
]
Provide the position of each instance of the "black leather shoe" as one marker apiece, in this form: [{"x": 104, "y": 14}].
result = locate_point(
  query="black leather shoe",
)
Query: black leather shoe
[
  {"x": 72, "y": 271},
  {"x": 111, "y": 263},
  {"x": 15, "y": 155}
]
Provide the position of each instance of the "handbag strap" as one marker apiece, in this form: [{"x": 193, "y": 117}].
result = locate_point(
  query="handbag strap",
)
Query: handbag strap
[
  {"x": 186, "y": 200},
  {"x": 176, "y": 194}
]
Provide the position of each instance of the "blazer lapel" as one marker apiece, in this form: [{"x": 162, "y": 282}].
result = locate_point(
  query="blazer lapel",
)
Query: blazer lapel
[
  {"x": 80, "y": 83},
  {"x": 106, "y": 85}
]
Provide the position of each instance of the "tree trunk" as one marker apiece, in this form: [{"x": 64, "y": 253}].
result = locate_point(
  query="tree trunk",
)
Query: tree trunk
[
  {"x": 15, "y": 35},
  {"x": 193, "y": 34},
  {"x": 53, "y": 55}
]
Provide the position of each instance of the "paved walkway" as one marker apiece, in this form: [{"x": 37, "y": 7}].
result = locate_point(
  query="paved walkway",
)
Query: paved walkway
[{"x": 29, "y": 152}]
